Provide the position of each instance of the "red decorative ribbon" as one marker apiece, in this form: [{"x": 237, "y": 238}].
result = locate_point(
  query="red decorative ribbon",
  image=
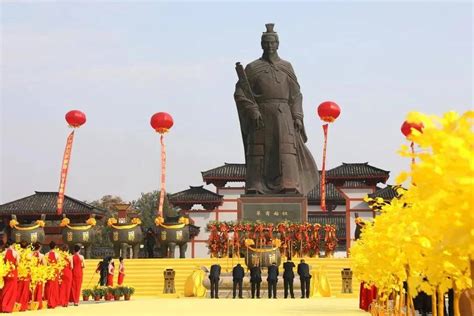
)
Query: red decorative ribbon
[
  {"x": 163, "y": 176},
  {"x": 323, "y": 171},
  {"x": 64, "y": 170}
]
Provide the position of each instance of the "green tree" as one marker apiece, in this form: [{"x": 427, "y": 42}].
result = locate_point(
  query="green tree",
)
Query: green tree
[{"x": 147, "y": 205}]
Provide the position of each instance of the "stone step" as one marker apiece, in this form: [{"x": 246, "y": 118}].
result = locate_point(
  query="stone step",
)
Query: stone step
[{"x": 146, "y": 275}]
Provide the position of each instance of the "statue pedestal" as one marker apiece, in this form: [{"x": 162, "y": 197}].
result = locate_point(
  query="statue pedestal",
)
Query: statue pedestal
[{"x": 272, "y": 208}]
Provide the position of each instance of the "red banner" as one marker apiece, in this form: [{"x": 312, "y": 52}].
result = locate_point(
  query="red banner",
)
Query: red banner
[
  {"x": 323, "y": 171},
  {"x": 163, "y": 176},
  {"x": 64, "y": 169}
]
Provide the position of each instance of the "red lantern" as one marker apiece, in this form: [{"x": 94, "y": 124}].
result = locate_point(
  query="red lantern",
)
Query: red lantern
[
  {"x": 328, "y": 111},
  {"x": 407, "y": 128},
  {"x": 75, "y": 118},
  {"x": 161, "y": 122}
]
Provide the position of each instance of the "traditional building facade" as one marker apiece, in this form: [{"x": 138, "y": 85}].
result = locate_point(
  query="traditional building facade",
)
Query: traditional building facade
[
  {"x": 346, "y": 187},
  {"x": 30, "y": 208}
]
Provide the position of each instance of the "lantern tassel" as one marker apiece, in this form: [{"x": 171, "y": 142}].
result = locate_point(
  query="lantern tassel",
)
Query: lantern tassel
[
  {"x": 163, "y": 176},
  {"x": 323, "y": 171},
  {"x": 64, "y": 171},
  {"x": 412, "y": 146}
]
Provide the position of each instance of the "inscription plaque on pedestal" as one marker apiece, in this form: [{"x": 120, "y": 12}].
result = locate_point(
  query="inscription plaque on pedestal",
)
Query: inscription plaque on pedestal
[{"x": 272, "y": 209}]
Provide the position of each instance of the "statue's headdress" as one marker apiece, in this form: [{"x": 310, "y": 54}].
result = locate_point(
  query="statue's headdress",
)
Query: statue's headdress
[{"x": 270, "y": 31}]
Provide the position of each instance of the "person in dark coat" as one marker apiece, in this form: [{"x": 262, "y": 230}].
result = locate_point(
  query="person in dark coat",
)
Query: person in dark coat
[
  {"x": 272, "y": 280},
  {"x": 255, "y": 280},
  {"x": 150, "y": 242},
  {"x": 422, "y": 303},
  {"x": 214, "y": 276},
  {"x": 305, "y": 278},
  {"x": 103, "y": 269},
  {"x": 288, "y": 277},
  {"x": 238, "y": 274},
  {"x": 358, "y": 228}
]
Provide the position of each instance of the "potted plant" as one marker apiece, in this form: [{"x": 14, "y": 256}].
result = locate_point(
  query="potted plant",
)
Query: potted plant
[
  {"x": 117, "y": 291},
  {"x": 86, "y": 293},
  {"x": 127, "y": 292},
  {"x": 109, "y": 293},
  {"x": 97, "y": 292}
]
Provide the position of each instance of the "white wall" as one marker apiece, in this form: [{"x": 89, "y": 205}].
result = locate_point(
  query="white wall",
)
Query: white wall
[
  {"x": 200, "y": 250},
  {"x": 356, "y": 193},
  {"x": 188, "y": 251},
  {"x": 228, "y": 217},
  {"x": 201, "y": 219},
  {"x": 231, "y": 206},
  {"x": 358, "y": 205},
  {"x": 231, "y": 193}
]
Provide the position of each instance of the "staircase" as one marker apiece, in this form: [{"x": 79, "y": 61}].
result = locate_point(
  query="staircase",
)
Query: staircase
[{"x": 146, "y": 275}]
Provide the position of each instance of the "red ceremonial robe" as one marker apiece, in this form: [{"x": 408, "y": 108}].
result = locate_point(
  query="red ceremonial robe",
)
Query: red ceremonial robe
[
  {"x": 121, "y": 274},
  {"x": 66, "y": 283},
  {"x": 76, "y": 278},
  {"x": 110, "y": 277},
  {"x": 10, "y": 281},
  {"x": 23, "y": 293},
  {"x": 52, "y": 286},
  {"x": 366, "y": 296}
]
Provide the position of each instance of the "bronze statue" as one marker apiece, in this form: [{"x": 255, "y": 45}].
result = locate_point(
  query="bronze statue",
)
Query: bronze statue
[{"x": 269, "y": 103}]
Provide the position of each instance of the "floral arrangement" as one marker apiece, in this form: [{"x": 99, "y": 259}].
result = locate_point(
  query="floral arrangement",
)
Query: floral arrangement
[
  {"x": 111, "y": 221},
  {"x": 297, "y": 239},
  {"x": 424, "y": 236},
  {"x": 91, "y": 221},
  {"x": 159, "y": 220},
  {"x": 64, "y": 222},
  {"x": 136, "y": 221}
]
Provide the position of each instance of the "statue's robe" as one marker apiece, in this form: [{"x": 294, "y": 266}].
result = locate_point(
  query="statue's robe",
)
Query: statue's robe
[{"x": 277, "y": 160}]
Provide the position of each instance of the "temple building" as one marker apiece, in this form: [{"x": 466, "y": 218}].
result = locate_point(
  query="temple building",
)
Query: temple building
[
  {"x": 346, "y": 187},
  {"x": 30, "y": 208}
]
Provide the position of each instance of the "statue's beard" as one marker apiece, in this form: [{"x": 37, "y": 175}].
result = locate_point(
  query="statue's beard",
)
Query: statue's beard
[{"x": 271, "y": 57}]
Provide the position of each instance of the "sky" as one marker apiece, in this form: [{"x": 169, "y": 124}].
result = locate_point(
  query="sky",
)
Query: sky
[{"x": 121, "y": 62}]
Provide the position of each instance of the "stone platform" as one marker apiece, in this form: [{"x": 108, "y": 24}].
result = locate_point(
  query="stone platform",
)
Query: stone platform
[{"x": 146, "y": 275}]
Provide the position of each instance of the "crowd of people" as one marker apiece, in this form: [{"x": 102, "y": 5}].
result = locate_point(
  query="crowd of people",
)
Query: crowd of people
[
  {"x": 238, "y": 275},
  {"x": 31, "y": 276}
]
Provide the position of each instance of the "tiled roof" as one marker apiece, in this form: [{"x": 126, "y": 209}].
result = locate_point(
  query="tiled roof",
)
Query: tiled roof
[
  {"x": 229, "y": 171},
  {"x": 236, "y": 172},
  {"x": 357, "y": 171},
  {"x": 387, "y": 193},
  {"x": 45, "y": 203},
  {"x": 195, "y": 194},
  {"x": 332, "y": 194},
  {"x": 354, "y": 184}
]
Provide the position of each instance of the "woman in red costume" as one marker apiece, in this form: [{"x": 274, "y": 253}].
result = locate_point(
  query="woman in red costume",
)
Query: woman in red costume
[
  {"x": 110, "y": 275},
  {"x": 23, "y": 290},
  {"x": 38, "y": 292},
  {"x": 77, "y": 267},
  {"x": 66, "y": 279},
  {"x": 52, "y": 286},
  {"x": 10, "y": 281},
  {"x": 121, "y": 274},
  {"x": 366, "y": 295}
]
